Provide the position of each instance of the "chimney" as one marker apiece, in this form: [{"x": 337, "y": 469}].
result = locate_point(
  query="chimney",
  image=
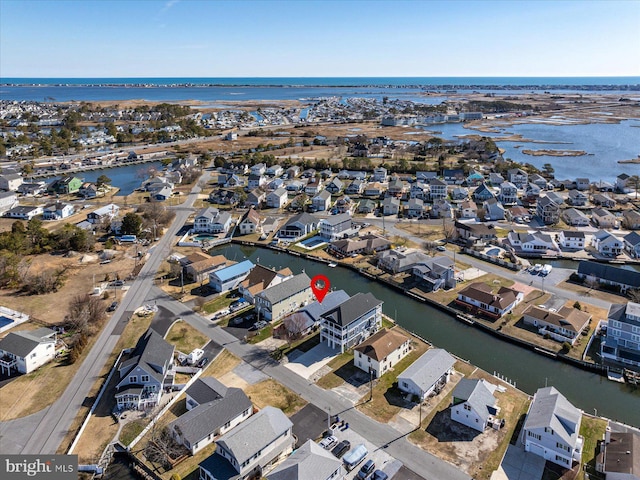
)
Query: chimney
[{"x": 607, "y": 435}]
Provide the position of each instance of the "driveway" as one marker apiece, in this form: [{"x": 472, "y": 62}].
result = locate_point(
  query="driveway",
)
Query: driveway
[
  {"x": 310, "y": 362},
  {"x": 519, "y": 465},
  {"x": 309, "y": 423}
]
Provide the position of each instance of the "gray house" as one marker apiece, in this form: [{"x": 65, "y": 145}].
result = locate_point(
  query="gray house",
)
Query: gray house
[
  {"x": 298, "y": 226},
  {"x": 621, "y": 341},
  {"x": 428, "y": 374},
  {"x": 437, "y": 272},
  {"x": 473, "y": 404},
  {"x": 309, "y": 462}
]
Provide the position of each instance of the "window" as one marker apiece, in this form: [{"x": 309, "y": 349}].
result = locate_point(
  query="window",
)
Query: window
[
  {"x": 534, "y": 435},
  {"x": 144, "y": 378},
  {"x": 33, "y": 355},
  {"x": 133, "y": 379}
]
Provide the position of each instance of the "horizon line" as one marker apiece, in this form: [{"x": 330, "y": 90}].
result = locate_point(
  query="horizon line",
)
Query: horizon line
[{"x": 372, "y": 76}]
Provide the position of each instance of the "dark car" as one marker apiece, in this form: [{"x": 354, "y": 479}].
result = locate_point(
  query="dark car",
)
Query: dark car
[
  {"x": 340, "y": 449},
  {"x": 112, "y": 307},
  {"x": 203, "y": 361},
  {"x": 366, "y": 470},
  {"x": 117, "y": 283},
  {"x": 379, "y": 475}
]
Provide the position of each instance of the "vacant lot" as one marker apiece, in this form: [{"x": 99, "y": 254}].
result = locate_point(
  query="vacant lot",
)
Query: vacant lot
[
  {"x": 270, "y": 392},
  {"x": 185, "y": 337}
]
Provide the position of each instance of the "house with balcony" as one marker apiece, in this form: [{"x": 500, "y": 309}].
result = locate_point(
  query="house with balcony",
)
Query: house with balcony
[
  {"x": 582, "y": 184},
  {"x": 212, "y": 220},
  {"x": 473, "y": 404},
  {"x": 293, "y": 172},
  {"x": 26, "y": 351},
  {"x": 632, "y": 244},
  {"x": 575, "y": 218},
  {"x": 298, "y": 226},
  {"x": 400, "y": 260},
  {"x": 479, "y": 297},
  {"x": 538, "y": 180},
  {"x": 607, "y": 244},
  {"x": 314, "y": 186},
  {"x": 249, "y": 223},
  {"x": 396, "y": 187},
  {"x": 31, "y": 189},
  {"x": 571, "y": 239},
  {"x": 548, "y": 211},
  {"x": 335, "y": 186},
  {"x": 355, "y": 188},
  {"x": 336, "y": 227},
  {"x": 256, "y": 198},
  {"x": 532, "y": 242},
  {"x": 441, "y": 209},
  {"x": 414, "y": 208},
  {"x": 228, "y": 278},
  {"x": 428, "y": 374},
  {"x": 212, "y": 410},
  {"x": 379, "y": 174},
  {"x": 437, "y": 189},
  {"x": 518, "y": 177},
  {"x": 351, "y": 322},
  {"x": 251, "y": 449},
  {"x": 344, "y": 204},
  {"x": 278, "y": 198},
  {"x": 508, "y": 193},
  {"x": 577, "y": 198},
  {"x": 603, "y": 218},
  {"x": 419, "y": 190},
  {"x": 286, "y": 297},
  {"x": 381, "y": 351},
  {"x": 274, "y": 171},
  {"x": 261, "y": 278},
  {"x": 564, "y": 325},
  {"x": 552, "y": 428},
  {"x": 468, "y": 209},
  {"x": 459, "y": 193},
  {"x": 57, "y": 211},
  {"x": 390, "y": 206},
  {"x": 322, "y": 201},
  {"x": 622, "y": 340},
  {"x": 373, "y": 190},
  {"x": 435, "y": 272},
  {"x": 309, "y": 462},
  {"x": 453, "y": 176},
  {"x": 65, "y": 185},
  {"x": 145, "y": 373},
  {"x": 256, "y": 181}
]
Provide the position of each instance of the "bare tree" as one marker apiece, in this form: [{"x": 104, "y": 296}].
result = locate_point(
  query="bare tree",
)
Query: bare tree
[
  {"x": 162, "y": 448},
  {"x": 294, "y": 326},
  {"x": 84, "y": 311},
  {"x": 430, "y": 246}
]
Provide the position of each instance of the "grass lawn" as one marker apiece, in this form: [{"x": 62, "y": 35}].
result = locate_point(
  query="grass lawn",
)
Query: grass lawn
[
  {"x": 261, "y": 335},
  {"x": 270, "y": 392},
  {"x": 592, "y": 429},
  {"x": 185, "y": 337},
  {"x": 223, "y": 301},
  {"x": 387, "y": 399},
  {"x": 130, "y": 431},
  {"x": 224, "y": 363},
  {"x": 332, "y": 379}
]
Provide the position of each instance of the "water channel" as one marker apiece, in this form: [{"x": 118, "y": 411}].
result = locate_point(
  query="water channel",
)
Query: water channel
[{"x": 529, "y": 370}]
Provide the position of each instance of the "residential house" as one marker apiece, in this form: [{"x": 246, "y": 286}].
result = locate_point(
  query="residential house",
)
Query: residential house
[
  {"x": 396, "y": 187},
  {"x": 88, "y": 190},
  {"x": 145, "y": 373},
  {"x": 351, "y": 322},
  {"x": 518, "y": 214},
  {"x": 442, "y": 209},
  {"x": 57, "y": 211},
  {"x": 103, "y": 214},
  {"x": 480, "y": 297},
  {"x": 335, "y": 187},
  {"x": 258, "y": 169},
  {"x": 277, "y": 198},
  {"x": 538, "y": 180},
  {"x": 495, "y": 179},
  {"x": 366, "y": 206},
  {"x": 313, "y": 187},
  {"x": 482, "y": 193},
  {"x": 608, "y": 275},
  {"x": 459, "y": 193},
  {"x": 428, "y": 374},
  {"x": 619, "y": 457},
  {"x": 582, "y": 184},
  {"x": 419, "y": 190},
  {"x": 298, "y": 226},
  {"x": 603, "y": 218},
  {"x": 518, "y": 177},
  {"x": 259, "y": 279},
  {"x": 532, "y": 192},
  {"x": 212, "y": 220},
  {"x": 251, "y": 449},
  {"x": 344, "y": 204},
  {"x": 293, "y": 172},
  {"x": 577, "y": 198},
  {"x": 26, "y": 351},
  {"x": 436, "y": 272},
  {"x": 198, "y": 266},
  {"x": 23, "y": 212},
  {"x": 155, "y": 184},
  {"x": 269, "y": 225},
  {"x": 552, "y": 428},
  {"x": 603, "y": 200},
  {"x": 228, "y": 278},
  {"x": 564, "y": 325},
  {"x": 475, "y": 231},
  {"x": 286, "y": 297},
  {"x": 414, "y": 208},
  {"x": 473, "y": 404},
  {"x": 322, "y": 201},
  {"x": 230, "y": 180},
  {"x": 8, "y": 200},
  {"x": 468, "y": 209},
  {"x": 390, "y": 206},
  {"x": 453, "y": 176},
  {"x": 336, "y": 226},
  {"x": 224, "y": 197},
  {"x": 275, "y": 184},
  {"x": 31, "y": 189},
  {"x": 493, "y": 209},
  {"x": 631, "y": 219},
  {"x": 309, "y": 462},
  {"x": 274, "y": 171},
  {"x": 10, "y": 182},
  {"x": 607, "y": 244},
  {"x": 249, "y": 222},
  {"x": 162, "y": 194},
  {"x": 400, "y": 260},
  {"x": 256, "y": 181},
  {"x": 474, "y": 178},
  {"x": 575, "y": 218},
  {"x": 622, "y": 181},
  {"x": 437, "y": 189},
  {"x": 381, "y": 351},
  {"x": 255, "y": 198},
  {"x": 65, "y": 185},
  {"x": 379, "y": 175},
  {"x": 508, "y": 193},
  {"x": 622, "y": 340},
  {"x": 294, "y": 186},
  {"x": 368, "y": 244},
  {"x": 572, "y": 239},
  {"x": 373, "y": 189},
  {"x": 355, "y": 188},
  {"x": 532, "y": 242},
  {"x": 212, "y": 410},
  {"x": 425, "y": 176},
  {"x": 310, "y": 316},
  {"x": 555, "y": 198},
  {"x": 548, "y": 211},
  {"x": 632, "y": 244}
]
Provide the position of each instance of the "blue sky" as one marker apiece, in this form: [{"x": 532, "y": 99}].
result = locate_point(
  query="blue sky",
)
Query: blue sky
[{"x": 197, "y": 38}]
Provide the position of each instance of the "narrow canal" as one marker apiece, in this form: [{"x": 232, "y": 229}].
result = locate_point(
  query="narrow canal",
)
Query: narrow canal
[{"x": 529, "y": 370}]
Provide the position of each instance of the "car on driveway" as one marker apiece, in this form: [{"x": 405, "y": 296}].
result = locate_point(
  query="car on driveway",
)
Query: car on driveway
[
  {"x": 112, "y": 307},
  {"x": 366, "y": 471},
  {"x": 340, "y": 449},
  {"x": 258, "y": 325},
  {"x": 379, "y": 475},
  {"x": 441, "y": 248},
  {"x": 329, "y": 442},
  {"x": 117, "y": 283},
  {"x": 203, "y": 362}
]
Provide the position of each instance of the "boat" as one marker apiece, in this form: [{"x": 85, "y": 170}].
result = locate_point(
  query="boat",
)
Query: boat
[
  {"x": 546, "y": 270},
  {"x": 332, "y": 265},
  {"x": 537, "y": 268}
]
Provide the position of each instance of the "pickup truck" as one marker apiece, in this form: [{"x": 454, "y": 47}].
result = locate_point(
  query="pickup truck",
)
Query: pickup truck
[{"x": 355, "y": 456}]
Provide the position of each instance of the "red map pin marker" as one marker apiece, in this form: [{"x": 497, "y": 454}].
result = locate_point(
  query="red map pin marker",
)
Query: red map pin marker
[{"x": 320, "y": 286}]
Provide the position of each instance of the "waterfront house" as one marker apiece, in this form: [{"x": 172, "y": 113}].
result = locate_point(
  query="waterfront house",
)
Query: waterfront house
[
  {"x": 632, "y": 244},
  {"x": 414, "y": 208},
  {"x": 8, "y": 200},
  {"x": 538, "y": 180},
  {"x": 197, "y": 266},
  {"x": 571, "y": 239},
  {"x": 309, "y": 462},
  {"x": 631, "y": 219},
  {"x": 479, "y": 297},
  {"x": 482, "y": 193},
  {"x": 145, "y": 372},
  {"x": 57, "y": 211},
  {"x": 390, "y": 206},
  {"x": 437, "y": 189},
  {"x": 428, "y": 374},
  {"x": 603, "y": 200},
  {"x": 575, "y": 218},
  {"x": 88, "y": 190},
  {"x": 336, "y": 226},
  {"x": 251, "y": 449},
  {"x": 23, "y": 212},
  {"x": 368, "y": 244},
  {"x": 533, "y": 242},
  {"x": 607, "y": 244},
  {"x": 475, "y": 231},
  {"x": 298, "y": 226},
  {"x": 619, "y": 457},
  {"x": 26, "y": 351},
  {"x": 351, "y": 322},
  {"x": 468, "y": 209},
  {"x": 255, "y": 198},
  {"x": 65, "y": 185},
  {"x": 493, "y": 209},
  {"x": 608, "y": 275},
  {"x": 582, "y": 183},
  {"x": 284, "y": 298},
  {"x": 473, "y": 404},
  {"x": 603, "y": 218},
  {"x": 103, "y": 214},
  {"x": 508, "y": 193},
  {"x": 10, "y": 182},
  {"x": 259, "y": 279},
  {"x": 548, "y": 211},
  {"x": 249, "y": 223},
  {"x": 552, "y": 428},
  {"x": 277, "y": 198},
  {"x": 381, "y": 351},
  {"x": 212, "y": 220},
  {"x": 228, "y": 278},
  {"x": 322, "y": 201},
  {"x": 212, "y": 410},
  {"x": 577, "y": 198},
  {"x": 400, "y": 260},
  {"x": 621, "y": 342},
  {"x": 31, "y": 189},
  {"x": 518, "y": 177},
  {"x": 355, "y": 188},
  {"x": 436, "y": 272},
  {"x": 564, "y": 325},
  {"x": 335, "y": 187}
]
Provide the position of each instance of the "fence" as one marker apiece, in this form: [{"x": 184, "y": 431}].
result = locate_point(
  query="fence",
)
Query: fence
[{"x": 490, "y": 259}]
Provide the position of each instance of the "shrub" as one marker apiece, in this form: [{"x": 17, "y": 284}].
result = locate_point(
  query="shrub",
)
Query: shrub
[
  {"x": 577, "y": 305},
  {"x": 566, "y": 346}
]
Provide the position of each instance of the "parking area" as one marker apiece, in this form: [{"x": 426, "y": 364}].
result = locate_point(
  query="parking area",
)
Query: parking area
[
  {"x": 309, "y": 423},
  {"x": 307, "y": 363},
  {"x": 239, "y": 325}
]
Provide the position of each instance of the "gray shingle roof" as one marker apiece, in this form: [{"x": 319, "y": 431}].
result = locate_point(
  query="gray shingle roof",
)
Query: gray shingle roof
[
  {"x": 551, "y": 409},
  {"x": 22, "y": 343},
  {"x": 309, "y": 462},
  {"x": 426, "y": 370},
  {"x": 610, "y": 273},
  {"x": 477, "y": 395},
  {"x": 206, "y": 389},
  {"x": 352, "y": 309},
  {"x": 152, "y": 352},
  {"x": 286, "y": 289}
]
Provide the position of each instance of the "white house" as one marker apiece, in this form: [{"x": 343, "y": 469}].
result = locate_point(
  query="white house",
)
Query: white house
[
  {"x": 309, "y": 462},
  {"x": 565, "y": 325},
  {"x": 379, "y": 174},
  {"x": 322, "y": 201},
  {"x": 428, "y": 374},
  {"x": 381, "y": 351},
  {"x": 574, "y": 217},
  {"x": 278, "y": 198},
  {"x": 607, "y": 244},
  {"x": 480, "y": 297},
  {"x": 468, "y": 209},
  {"x": 603, "y": 218},
  {"x": 572, "y": 239},
  {"x": 212, "y": 220},
  {"x": 229, "y": 278},
  {"x": 24, "y": 212},
  {"x": 473, "y": 404},
  {"x": 390, "y": 206},
  {"x": 10, "y": 181},
  {"x": 57, "y": 211},
  {"x": 508, "y": 193},
  {"x": 8, "y": 200},
  {"x": 532, "y": 242},
  {"x": 249, "y": 223},
  {"x": 552, "y": 428},
  {"x": 25, "y": 351},
  {"x": 255, "y": 181},
  {"x": 335, "y": 227},
  {"x": 298, "y": 226},
  {"x": 108, "y": 212}
]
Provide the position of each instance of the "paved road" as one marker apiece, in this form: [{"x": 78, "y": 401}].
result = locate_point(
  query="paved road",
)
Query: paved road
[
  {"x": 49, "y": 433},
  {"x": 379, "y": 434}
]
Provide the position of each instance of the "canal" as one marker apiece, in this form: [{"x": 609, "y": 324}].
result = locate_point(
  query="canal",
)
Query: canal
[{"x": 529, "y": 370}]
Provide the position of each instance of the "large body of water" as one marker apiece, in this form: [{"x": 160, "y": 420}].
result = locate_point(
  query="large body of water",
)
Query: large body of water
[{"x": 530, "y": 371}]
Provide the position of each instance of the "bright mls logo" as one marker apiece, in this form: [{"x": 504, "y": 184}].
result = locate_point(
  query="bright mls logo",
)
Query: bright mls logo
[{"x": 50, "y": 467}]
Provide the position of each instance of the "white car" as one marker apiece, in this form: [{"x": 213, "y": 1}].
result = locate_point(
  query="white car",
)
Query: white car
[{"x": 329, "y": 442}]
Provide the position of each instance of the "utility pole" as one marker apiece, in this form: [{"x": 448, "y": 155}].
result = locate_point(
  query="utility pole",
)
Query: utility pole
[
  {"x": 370, "y": 383},
  {"x": 181, "y": 279}
]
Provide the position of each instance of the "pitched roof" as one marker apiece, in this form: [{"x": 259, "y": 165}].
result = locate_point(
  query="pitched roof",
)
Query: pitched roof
[
  {"x": 22, "y": 343},
  {"x": 352, "y": 309},
  {"x": 259, "y": 276},
  {"x": 381, "y": 344},
  {"x": 336, "y": 219},
  {"x": 152, "y": 352},
  {"x": 286, "y": 289},
  {"x": 478, "y": 394},
  {"x": 315, "y": 310},
  {"x": 622, "y": 454},
  {"x": 227, "y": 273},
  {"x": 309, "y": 462},
  {"x": 609, "y": 272},
  {"x": 303, "y": 218},
  {"x": 483, "y": 293},
  {"x": 551, "y": 409},
  {"x": 252, "y": 216},
  {"x": 427, "y": 369},
  {"x": 567, "y": 317}
]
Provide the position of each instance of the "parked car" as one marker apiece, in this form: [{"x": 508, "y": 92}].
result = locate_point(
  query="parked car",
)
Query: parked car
[
  {"x": 203, "y": 362},
  {"x": 329, "y": 442},
  {"x": 441, "y": 248},
  {"x": 117, "y": 283},
  {"x": 112, "y": 307},
  {"x": 340, "y": 449},
  {"x": 379, "y": 475},
  {"x": 258, "y": 325},
  {"x": 366, "y": 471}
]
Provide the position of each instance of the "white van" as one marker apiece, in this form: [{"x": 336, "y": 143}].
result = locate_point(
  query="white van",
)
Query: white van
[{"x": 194, "y": 356}]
